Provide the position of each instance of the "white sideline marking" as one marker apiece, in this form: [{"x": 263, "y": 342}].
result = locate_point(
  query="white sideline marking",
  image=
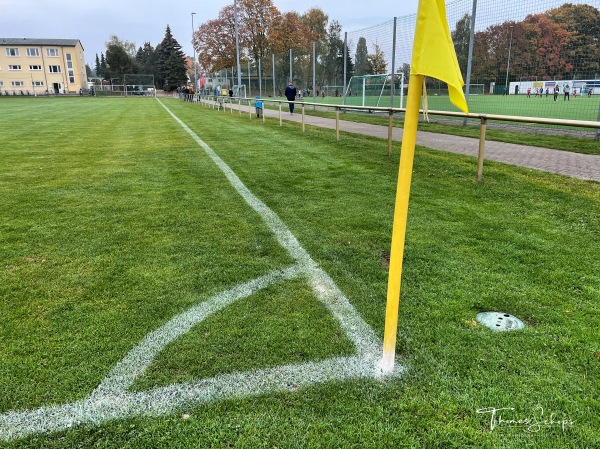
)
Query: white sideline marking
[{"x": 111, "y": 400}]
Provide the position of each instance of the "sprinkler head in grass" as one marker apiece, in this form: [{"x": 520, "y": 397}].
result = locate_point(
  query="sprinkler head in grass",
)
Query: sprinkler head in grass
[{"x": 499, "y": 321}]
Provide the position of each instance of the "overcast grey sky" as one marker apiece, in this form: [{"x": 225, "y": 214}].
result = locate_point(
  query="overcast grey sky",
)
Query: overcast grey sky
[{"x": 93, "y": 22}]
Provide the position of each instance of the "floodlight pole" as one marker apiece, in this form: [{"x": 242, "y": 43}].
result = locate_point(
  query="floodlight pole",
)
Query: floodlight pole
[
  {"x": 195, "y": 74},
  {"x": 291, "y": 77},
  {"x": 598, "y": 129},
  {"x": 259, "y": 79},
  {"x": 470, "y": 57},
  {"x": 314, "y": 83},
  {"x": 393, "y": 64},
  {"x": 345, "y": 63},
  {"x": 508, "y": 62},
  {"x": 273, "y": 67},
  {"x": 237, "y": 47}
]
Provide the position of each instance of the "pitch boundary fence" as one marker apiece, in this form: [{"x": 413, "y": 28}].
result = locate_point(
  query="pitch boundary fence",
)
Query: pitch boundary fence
[{"x": 255, "y": 107}]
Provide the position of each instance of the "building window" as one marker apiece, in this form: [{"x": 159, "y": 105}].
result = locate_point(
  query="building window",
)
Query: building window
[
  {"x": 70, "y": 69},
  {"x": 52, "y": 52},
  {"x": 16, "y": 83},
  {"x": 35, "y": 67},
  {"x": 33, "y": 52},
  {"x": 14, "y": 67},
  {"x": 1, "y": 83},
  {"x": 12, "y": 52},
  {"x": 55, "y": 69},
  {"x": 37, "y": 83}
]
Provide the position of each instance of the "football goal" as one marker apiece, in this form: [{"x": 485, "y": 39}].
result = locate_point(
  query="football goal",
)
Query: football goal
[
  {"x": 139, "y": 85},
  {"x": 239, "y": 91},
  {"x": 130, "y": 85},
  {"x": 476, "y": 89},
  {"x": 376, "y": 90}
]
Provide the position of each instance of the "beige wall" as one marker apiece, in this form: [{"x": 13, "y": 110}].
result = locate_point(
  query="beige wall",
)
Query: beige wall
[{"x": 40, "y": 67}]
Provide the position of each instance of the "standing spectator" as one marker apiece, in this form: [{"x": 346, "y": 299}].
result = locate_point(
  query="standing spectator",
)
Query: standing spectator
[
  {"x": 290, "y": 94},
  {"x": 556, "y": 90},
  {"x": 567, "y": 92}
]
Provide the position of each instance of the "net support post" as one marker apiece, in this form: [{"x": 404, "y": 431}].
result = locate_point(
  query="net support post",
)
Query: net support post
[
  {"x": 280, "y": 119},
  {"x": 480, "y": 157},
  {"x": 303, "y": 127},
  {"x": 390, "y": 131},
  {"x": 337, "y": 124},
  {"x": 598, "y": 129}
]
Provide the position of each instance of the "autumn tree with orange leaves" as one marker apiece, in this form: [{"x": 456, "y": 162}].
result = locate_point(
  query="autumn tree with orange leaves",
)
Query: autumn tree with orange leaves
[
  {"x": 263, "y": 30},
  {"x": 561, "y": 43}
]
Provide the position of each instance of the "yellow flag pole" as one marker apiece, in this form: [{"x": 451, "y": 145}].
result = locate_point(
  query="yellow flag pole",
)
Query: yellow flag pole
[{"x": 409, "y": 139}]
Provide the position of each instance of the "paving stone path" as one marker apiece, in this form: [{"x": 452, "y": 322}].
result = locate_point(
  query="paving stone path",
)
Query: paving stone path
[{"x": 582, "y": 166}]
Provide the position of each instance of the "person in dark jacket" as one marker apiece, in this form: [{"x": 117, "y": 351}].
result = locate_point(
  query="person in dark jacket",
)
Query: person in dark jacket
[{"x": 290, "y": 94}]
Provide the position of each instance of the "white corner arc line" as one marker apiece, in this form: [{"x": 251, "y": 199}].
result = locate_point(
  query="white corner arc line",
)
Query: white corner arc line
[
  {"x": 111, "y": 400},
  {"x": 323, "y": 286}
]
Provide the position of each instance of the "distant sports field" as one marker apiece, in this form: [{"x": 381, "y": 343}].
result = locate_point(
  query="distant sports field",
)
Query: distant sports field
[
  {"x": 176, "y": 276},
  {"x": 576, "y": 108}
]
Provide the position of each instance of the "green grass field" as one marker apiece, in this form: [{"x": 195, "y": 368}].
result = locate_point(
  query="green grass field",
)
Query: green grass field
[
  {"x": 114, "y": 220},
  {"x": 528, "y": 134},
  {"x": 577, "y": 108}
]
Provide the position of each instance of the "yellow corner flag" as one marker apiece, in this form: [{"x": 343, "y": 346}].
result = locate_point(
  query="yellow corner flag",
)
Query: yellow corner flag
[
  {"x": 433, "y": 51},
  {"x": 433, "y": 55}
]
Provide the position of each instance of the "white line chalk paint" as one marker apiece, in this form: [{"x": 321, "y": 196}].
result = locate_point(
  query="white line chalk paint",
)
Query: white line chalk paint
[{"x": 112, "y": 400}]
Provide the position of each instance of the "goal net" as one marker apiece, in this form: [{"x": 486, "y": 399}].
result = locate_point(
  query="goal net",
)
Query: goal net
[
  {"x": 476, "y": 89},
  {"x": 376, "y": 90},
  {"x": 139, "y": 85},
  {"x": 239, "y": 91},
  {"x": 130, "y": 85}
]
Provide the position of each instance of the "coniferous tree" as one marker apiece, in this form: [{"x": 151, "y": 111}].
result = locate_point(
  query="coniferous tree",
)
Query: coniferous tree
[
  {"x": 171, "y": 63},
  {"x": 146, "y": 58},
  {"x": 361, "y": 56},
  {"x": 97, "y": 67},
  {"x": 335, "y": 46},
  {"x": 102, "y": 66}
]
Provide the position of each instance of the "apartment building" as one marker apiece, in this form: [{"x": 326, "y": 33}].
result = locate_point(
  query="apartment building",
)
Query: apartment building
[{"x": 36, "y": 66}]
